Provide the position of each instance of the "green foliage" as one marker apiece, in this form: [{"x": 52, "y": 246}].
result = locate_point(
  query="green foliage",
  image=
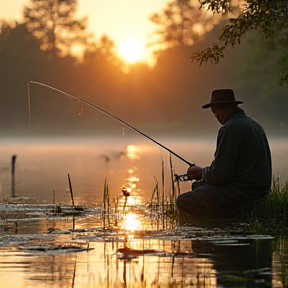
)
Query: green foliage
[
  {"x": 271, "y": 214},
  {"x": 212, "y": 54},
  {"x": 222, "y": 6},
  {"x": 268, "y": 18}
]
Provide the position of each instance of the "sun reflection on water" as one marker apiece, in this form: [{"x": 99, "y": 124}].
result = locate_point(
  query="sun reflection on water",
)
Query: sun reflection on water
[
  {"x": 131, "y": 151},
  {"x": 131, "y": 222}
]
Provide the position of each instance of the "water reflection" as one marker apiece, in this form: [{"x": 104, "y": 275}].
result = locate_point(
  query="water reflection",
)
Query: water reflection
[
  {"x": 57, "y": 252},
  {"x": 132, "y": 152},
  {"x": 138, "y": 248},
  {"x": 185, "y": 263},
  {"x": 131, "y": 222}
]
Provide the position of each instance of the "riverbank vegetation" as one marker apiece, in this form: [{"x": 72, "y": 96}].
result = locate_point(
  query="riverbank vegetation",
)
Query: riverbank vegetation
[
  {"x": 271, "y": 214},
  {"x": 266, "y": 216}
]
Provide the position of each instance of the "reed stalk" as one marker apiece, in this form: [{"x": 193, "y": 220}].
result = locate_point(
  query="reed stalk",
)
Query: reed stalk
[
  {"x": 163, "y": 193},
  {"x": 155, "y": 197},
  {"x": 71, "y": 191},
  {"x": 106, "y": 204},
  {"x": 172, "y": 177},
  {"x": 164, "y": 205}
]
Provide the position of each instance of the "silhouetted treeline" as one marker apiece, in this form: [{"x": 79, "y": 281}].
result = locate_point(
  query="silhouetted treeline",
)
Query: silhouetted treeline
[{"x": 164, "y": 100}]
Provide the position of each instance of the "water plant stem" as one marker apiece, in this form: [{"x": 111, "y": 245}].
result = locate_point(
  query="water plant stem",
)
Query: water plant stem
[{"x": 71, "y": 190}]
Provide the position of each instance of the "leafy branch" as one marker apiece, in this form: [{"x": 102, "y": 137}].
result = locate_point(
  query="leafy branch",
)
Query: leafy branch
[{"x": 265, "y": 16}]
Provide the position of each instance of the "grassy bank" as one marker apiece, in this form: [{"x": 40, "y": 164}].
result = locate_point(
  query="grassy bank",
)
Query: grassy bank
[
  {"x": 271, "y": 214},
  {"x": 266, "y": 216}
]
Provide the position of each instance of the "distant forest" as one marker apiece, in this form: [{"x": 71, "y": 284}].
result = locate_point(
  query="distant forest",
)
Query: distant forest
[{"x": 162, "y": 100}]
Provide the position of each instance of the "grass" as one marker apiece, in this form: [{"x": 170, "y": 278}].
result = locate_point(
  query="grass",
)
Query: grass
[{"x": 271, "y": 214}]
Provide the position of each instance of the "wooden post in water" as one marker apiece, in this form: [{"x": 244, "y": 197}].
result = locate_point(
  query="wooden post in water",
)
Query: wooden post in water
[
  {"x": 13, "y": 176},
  {"x": 53, "y": 197}
]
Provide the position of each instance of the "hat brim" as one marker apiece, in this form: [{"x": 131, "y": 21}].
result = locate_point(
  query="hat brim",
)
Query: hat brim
[{"x": 220, "y": 102}]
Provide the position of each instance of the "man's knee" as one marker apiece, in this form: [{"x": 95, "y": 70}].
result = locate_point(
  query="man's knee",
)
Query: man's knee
[
  {"x": 197, "y": 184},
  {"x": 189, "y": 204},
  {"x": 181, "y": 202}
]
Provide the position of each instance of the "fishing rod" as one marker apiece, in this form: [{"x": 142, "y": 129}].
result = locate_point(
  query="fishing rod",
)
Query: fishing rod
[{"x": 105, "y": 112}]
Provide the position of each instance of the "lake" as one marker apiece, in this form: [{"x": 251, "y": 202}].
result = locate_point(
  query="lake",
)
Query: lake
[
  {"x": 42, "y": 165},
  {"x": 39, "y": 249}
]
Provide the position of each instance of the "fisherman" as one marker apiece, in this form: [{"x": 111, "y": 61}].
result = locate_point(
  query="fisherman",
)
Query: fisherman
[{"x": 241, "y": 170}]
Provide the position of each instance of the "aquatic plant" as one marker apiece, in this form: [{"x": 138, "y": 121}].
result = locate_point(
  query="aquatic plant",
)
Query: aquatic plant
[
  {"x": 266, "y": 215},
  {"x": 155, "y": 200},
  {"x": 162, "y": 205},
  {"x": 106, "y": 205}
]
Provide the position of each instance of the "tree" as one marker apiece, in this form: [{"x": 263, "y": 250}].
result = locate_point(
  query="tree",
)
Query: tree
[
  {"x": 53, "y": 23},
  {"x": 182, "y": 22},
  {"x": 268, "y": 18},
  {"x": 102, "y": 52},
  {"x": 21, "y": 60}
]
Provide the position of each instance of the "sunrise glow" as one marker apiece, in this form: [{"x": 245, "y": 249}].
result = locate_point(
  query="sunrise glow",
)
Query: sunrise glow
[{"x": 131, "y": 50}]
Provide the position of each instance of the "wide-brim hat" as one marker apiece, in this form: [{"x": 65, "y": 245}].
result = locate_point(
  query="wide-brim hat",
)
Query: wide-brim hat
[{"x": 222, "y": 96}]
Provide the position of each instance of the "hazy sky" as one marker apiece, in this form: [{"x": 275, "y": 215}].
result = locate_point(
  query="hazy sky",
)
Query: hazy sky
[{"x": 119, "y": 19}]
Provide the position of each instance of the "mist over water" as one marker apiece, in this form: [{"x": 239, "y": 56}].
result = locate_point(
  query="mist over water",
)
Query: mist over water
[{"x": 43, "y": 165}]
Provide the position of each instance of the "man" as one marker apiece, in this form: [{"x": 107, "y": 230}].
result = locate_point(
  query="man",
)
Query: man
[{"x": 241, "y": 170}]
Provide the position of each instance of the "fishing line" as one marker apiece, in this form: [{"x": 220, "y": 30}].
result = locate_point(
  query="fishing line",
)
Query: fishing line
[{"x": 101, "y": 110}]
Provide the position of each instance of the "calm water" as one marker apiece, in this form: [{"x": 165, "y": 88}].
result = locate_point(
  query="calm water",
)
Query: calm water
[
  {"x": 42, "y": 166},
  {"x": 185, "y": 263},
  {"x": 184, "y": 258}
]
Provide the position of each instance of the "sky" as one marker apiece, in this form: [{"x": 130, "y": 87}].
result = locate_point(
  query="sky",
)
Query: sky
[{"x": 124, "y": 21}]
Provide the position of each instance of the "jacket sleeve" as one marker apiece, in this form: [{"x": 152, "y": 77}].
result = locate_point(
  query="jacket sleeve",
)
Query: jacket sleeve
[{"x": 223, "y": 166}]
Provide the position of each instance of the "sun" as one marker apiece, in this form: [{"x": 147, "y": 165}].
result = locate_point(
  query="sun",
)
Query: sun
[{"x": 132, "y": 50}]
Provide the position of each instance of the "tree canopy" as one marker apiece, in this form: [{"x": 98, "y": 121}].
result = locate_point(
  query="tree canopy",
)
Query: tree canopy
[
  {"x": 268, "y": 18},
  {"x": 53, "y": 22},
  {"x": 181, "y": 23}
]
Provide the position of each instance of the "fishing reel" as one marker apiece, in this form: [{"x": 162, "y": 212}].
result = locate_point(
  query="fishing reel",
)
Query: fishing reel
[{"x": 182, "y": 178}]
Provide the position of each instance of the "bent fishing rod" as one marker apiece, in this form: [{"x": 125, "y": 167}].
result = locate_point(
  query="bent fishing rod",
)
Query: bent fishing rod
[{"x": 104, "y": 112}]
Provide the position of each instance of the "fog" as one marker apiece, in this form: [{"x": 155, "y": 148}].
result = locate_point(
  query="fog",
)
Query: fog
[{"x": 42, "y": 165}]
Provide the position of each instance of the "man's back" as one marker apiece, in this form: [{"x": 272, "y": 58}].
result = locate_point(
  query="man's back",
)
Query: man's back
[
  {"x": 242, "y": 163},
  {"x": 241, "y": 170}
]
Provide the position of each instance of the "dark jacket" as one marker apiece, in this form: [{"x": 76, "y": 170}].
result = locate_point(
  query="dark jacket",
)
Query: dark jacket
[{"x": 241, "y": 168}]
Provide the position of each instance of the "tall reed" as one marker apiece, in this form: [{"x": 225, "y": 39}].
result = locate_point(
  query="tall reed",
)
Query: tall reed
[
  {"x": 106, "y": 205},
  {"x": 162, "y": 204}
]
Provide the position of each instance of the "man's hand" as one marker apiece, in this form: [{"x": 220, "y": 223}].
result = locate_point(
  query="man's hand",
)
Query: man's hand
[{"x": 194, "y": 173}]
